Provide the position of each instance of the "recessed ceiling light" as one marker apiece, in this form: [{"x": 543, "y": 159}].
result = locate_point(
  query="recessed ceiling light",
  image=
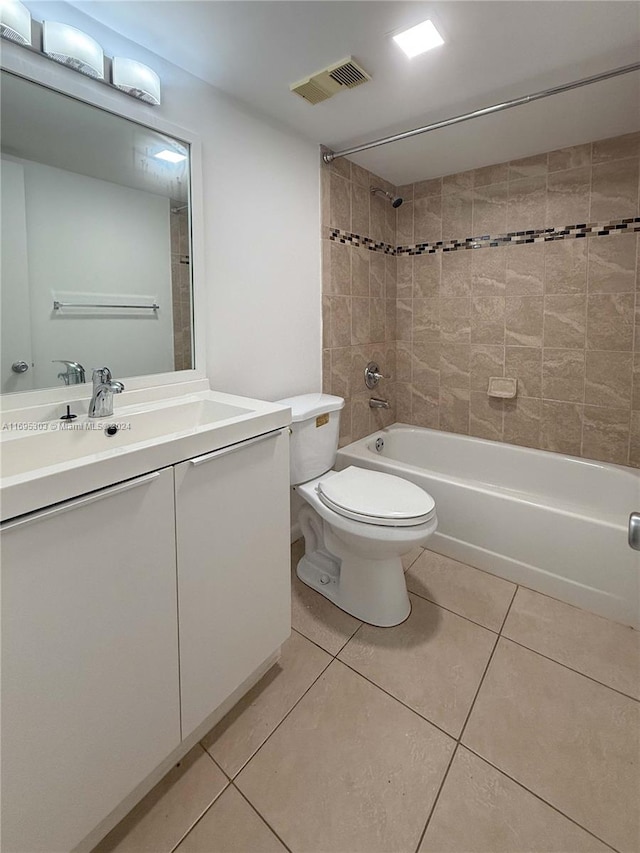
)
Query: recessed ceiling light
[
  {"x": 419, "y": 39},
  {"x": 170, "y": 156}
]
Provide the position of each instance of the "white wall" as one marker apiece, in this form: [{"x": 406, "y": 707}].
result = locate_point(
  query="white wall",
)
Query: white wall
[{"x": 261, "y": 220}]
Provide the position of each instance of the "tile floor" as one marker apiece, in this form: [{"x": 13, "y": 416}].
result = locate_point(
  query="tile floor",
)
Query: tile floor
[{"x": 494, "y": 719}]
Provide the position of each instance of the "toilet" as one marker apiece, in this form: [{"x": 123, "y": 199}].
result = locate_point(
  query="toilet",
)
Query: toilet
[{"x": 356, "y": 523}]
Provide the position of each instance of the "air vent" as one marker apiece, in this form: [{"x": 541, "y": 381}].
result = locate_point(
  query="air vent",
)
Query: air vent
[{"x": 346, "y": 74}]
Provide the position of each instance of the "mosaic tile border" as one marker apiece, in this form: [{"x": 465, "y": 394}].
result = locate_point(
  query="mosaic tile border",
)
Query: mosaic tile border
[{"x": 511, "y": 238}]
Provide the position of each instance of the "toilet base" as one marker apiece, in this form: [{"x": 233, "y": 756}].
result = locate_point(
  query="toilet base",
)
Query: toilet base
[{"x": 373, "y": 591}]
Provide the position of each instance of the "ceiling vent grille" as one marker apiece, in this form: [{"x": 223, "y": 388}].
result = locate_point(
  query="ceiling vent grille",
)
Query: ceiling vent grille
[{"x": 346, "y": 74}]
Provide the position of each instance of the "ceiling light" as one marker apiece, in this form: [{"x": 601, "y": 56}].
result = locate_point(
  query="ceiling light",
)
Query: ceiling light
[
  {"x": 170, "y": 156},
  {"x": 15, "y": 22},
  {"x": 136, "y": 80},
  {"x": 72, "y": 47},
  {"x": 419, "y": 39}
]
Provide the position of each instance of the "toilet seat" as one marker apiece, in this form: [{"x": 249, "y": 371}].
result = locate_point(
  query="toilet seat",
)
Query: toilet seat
[{"x": 373, "y": 497}]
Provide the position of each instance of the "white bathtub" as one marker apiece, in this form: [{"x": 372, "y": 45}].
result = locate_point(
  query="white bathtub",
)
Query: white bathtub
[{"x": 553, "y": 523}]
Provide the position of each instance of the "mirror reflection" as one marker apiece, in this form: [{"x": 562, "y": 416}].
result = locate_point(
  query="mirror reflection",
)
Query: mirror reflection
[{"x": 95, "y": 243}]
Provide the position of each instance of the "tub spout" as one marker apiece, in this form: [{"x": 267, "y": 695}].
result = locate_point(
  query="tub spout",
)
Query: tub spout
[{"x": 376, "y": 403}]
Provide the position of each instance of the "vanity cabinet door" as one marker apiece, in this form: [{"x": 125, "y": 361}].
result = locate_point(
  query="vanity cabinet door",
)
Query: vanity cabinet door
[
  {"x": 90, "y": 700},
  {"x": 232, "y": 514}
]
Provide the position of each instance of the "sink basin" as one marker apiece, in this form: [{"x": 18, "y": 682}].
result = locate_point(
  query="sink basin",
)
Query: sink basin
[
  {"x": 62, "y": 441},
  {"x": 52, "y": 460}
]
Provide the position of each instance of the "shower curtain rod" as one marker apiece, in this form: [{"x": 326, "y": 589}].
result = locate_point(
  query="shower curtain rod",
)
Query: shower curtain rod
[{"x": 495, "y": 108}]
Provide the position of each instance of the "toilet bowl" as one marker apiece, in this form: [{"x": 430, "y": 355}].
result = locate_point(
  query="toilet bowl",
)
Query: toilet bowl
[{"x": 357, "y": 524}]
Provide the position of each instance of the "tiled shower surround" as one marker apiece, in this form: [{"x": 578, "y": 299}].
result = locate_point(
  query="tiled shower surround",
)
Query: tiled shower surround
[
  {"x": 441, "y": 316},
  {"x": 181, "y": 288}
]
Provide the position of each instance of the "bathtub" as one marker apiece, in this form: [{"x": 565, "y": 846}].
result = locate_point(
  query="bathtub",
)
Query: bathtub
[{"x": 556, "y": 524}]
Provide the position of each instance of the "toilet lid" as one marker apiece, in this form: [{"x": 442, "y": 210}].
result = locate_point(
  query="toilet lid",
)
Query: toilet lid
[{"x": 376, "y": 498}]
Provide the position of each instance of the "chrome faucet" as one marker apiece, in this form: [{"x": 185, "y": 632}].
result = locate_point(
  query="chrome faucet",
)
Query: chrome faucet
[
  {"x": 376, "y": 403},
  {"x": 104, "y": 387},
  {"x": 74, "y": 374}
]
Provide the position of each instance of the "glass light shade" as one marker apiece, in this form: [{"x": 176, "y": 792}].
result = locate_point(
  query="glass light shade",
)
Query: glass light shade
[
  {"x": 72, "y": 47},
  {"x": 15, "y": 22},
  {"x": 419, "y": 39},
  {"x": 136, "y": 80}
]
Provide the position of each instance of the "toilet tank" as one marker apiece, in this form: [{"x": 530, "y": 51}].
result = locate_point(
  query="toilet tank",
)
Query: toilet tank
[{"x": 314, "y": 434}]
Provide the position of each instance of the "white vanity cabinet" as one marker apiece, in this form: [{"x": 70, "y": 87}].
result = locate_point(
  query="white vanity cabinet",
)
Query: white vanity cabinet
[
  {"x": 232, "y": 522},
  {"x": 90, "y": 702}
]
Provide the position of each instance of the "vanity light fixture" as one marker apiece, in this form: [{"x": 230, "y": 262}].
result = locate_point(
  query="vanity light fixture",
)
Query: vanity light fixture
[
  {"x": 72, "y": 47},
  {"x": 419, "y": 39},
  {"x": 15, "y": 22},
  {"x": 170, "y": 156},
  {"x": 136, "y": 79}
]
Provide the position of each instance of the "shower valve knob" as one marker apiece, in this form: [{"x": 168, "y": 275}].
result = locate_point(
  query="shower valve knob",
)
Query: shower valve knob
[{"x": 372, "y": 375}]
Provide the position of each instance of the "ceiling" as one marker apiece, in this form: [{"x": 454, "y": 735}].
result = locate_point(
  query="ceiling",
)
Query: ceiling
[{"x": 493, "y": 51}]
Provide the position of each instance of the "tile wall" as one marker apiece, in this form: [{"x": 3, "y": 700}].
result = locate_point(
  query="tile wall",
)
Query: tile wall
[
  {"x": 181, "y": 289},
  {"x": 557, "y": 314}
]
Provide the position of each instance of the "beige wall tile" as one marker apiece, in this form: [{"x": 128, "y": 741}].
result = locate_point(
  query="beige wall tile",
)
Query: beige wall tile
[
  {"x": 456, "y": 274},
  {"x": 488, "y": 272},
  {"x": 614, "y": 190},
  {"x": 404, "y": 224},
  {"x": 425, "y": 408},
  {"x": 360, "y": 210},
  {"x": 551, "y": 730},
  {"x": 487, "y": 319},
  {"x": 485, "y": 416},
  {"x": 635, "y": 403},
  {"x": 404, "y": 352},
  {"x": 426, "y": 320},
  {"x": 616, "y": 148},
  {"x": 454, "y": 410},
  {"x": 528, "y": 167},
  {"x": 568, "y": 197},
  {"x": 378, "y": 217},
  {"x": 634, "y": 441},
  {"x": 359, "y": 175},
  {"x": 340, "y": 202},
  {"x": 390, "y": 320},
  {"x": 340, "y": 326},
  {"x": 377, "y": 316},
  {"x": 521, "y": 422},
  {"x": 525, "y": 365},
  {"x": 391, "y": 276},
  {"x": 359, "y": 416},
  {"x": 326, "y": 371},
  {"x": 426, "y": 275},
  {"x": 452, "y": 184},
  {"x": 612, "y": 264},
  {"x": 563, "y": 372},
  {"x": 454, "y": 365},
  {"x": 527, "y": 203},
  {"x": 491, "y": 175},
  {"x": 594, "y": 646},
  {"x": 570, "y": 158},
  {"x": 333, "y": 792},
  {"x": 427, "y": 219},
  {"x": 565, "y": 318},
  {"x": 404, "y": 284},
  {"x": 425, "y": 366},
  {"x": 340, "y": 269},
  {"x": 327, "y": 340},
  {"x": 610, "y": 318},
  {"x": 490, "y": 209},
  {"x": 609, "y": 379},
  {"x": 377, "y": 276},
  {"x": 476, "y": 595},
  {"x": 523, "y": 320},
  {"x": 525, "y": 269},
  {"x": 413, "y": 661},
  {"x": 605, "y": 434},
  {"x": 485, "y": 361},
  {"x": 454, "y": 319},
  {"x": 405, "y": 192},
  {"x": 359, "y": 270},
  {"x": 432, "y": 187},
  {"x": 341, "y": 371},
  {"x": 403, "y": 402},
  {"x": 499, "y": 816},
  {"x": 566, "y": 266},
  {"x": 404, "y": 319},
  {"x": 561, "y": 427},
  {"x": 457, "y": 210}
]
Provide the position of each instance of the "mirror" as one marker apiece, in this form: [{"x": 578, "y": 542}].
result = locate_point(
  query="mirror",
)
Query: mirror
[{"x": 95, "y": 243}]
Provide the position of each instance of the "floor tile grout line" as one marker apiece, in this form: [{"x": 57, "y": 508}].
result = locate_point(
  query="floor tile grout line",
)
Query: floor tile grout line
[
  {"x": 437, "y": 797},
  {"x": 199, "y": 818},
  {"x": 404, "y": 704},
  {"x": 455, "y": 612},
  {"x": 486, "y": 670},
  {"x": 537, "y": 796},
  {"x": 253, "y": 755},
  {"x": 570, "y": 668},
  {"x": 318, "y": 646},
  {"x": 506, "y": 615},
  {"x": 261, "y": 816}
]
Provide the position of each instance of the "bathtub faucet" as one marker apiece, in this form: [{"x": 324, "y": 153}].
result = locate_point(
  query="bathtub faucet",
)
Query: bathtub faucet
[{"x": 376, "y": 403}]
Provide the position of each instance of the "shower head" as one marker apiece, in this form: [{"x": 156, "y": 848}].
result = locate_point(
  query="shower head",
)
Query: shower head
[{"x": 395, "y": 200}]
